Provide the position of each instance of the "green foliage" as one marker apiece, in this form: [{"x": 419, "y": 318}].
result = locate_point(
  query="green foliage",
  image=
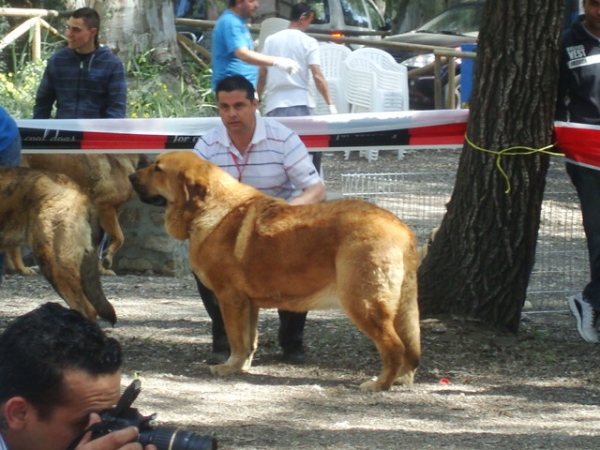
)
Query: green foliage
[
  {"x": 17, "y": 90},
  {"x": 154, "y": 92}
]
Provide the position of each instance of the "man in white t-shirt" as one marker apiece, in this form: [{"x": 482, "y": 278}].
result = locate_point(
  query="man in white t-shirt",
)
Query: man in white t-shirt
[{"x": 288, "y": 94}]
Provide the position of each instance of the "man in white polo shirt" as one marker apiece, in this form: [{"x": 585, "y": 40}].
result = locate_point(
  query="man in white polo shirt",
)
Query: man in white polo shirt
[{"x": 264, "y": 154}]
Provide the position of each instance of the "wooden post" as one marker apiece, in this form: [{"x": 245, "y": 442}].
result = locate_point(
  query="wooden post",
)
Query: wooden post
[
  {"x": 36, "y": 52},
  {"x": 437, "y": 84},
  {"x": 17, "y": 32}
]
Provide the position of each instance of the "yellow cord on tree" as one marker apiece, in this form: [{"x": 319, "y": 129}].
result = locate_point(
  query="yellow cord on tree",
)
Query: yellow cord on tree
[{"x": 511, "y": 152}]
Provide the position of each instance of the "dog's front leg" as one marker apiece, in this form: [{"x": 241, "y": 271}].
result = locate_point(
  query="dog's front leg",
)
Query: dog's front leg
[
  {"x": 109, "y": 221},
  {"x": 240, "y": 320}
]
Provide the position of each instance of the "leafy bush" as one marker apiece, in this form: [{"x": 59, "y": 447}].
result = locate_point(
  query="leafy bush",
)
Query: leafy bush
[
  {"x": 153, "y": 92},
  {"x": 17, "y": 90}
]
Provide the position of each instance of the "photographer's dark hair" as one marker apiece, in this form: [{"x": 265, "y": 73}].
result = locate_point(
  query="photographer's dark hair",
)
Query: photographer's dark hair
[
  {"x": 37, "y": 347},
  {"x": 90, "y": 17},
  {"x": 236, "y": 83}
]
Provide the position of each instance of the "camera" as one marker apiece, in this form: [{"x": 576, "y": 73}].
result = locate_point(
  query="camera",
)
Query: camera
[{"x": 164, "y": 438}]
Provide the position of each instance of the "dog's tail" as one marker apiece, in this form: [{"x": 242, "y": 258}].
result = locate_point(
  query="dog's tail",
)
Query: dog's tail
[
  {"x": 90, "y": 277},
  {"x": 90, "y": 280}
]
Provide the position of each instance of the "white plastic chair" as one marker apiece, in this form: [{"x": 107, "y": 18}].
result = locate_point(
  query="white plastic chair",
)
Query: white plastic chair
[
  {"x": 375, "y": 82},
  {"x": 332, "y": 58},
  {"x": 268, "y": 27}
]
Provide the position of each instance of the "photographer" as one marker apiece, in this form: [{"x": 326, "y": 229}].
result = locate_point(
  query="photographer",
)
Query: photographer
[{"x": 58, "y": 372}]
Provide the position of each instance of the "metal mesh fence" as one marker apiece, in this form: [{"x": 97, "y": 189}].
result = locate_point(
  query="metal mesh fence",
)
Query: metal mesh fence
[{"x": 419, "y": 199}]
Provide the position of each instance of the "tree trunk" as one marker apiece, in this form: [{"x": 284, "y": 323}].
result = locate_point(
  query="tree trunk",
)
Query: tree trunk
[
  {"x": 481, "y": 260},
  {"x": 133, "y": 27}
]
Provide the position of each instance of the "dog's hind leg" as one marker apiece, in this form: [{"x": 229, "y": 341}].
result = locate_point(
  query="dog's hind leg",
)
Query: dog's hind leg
[
  {"x": 408, "y": 328},
  {"x": 371, "y": 300},
  {"x": 380, "y": 328}
]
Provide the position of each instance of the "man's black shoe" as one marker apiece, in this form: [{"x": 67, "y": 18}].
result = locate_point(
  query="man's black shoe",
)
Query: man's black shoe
[
  {"x": 294, "y": 355},
  {"x": 217, "y": 357}
]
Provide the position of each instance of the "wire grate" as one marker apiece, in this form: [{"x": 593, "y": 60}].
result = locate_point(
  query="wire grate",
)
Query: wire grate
[{"x": 419, "y": 199}]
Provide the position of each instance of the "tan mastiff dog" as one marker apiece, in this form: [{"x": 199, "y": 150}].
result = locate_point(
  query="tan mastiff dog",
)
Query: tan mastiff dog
[
  {"x": 256, "y": 251},
  {"x": 105, "y": 179},
  {"x": 52, "y": 215}
]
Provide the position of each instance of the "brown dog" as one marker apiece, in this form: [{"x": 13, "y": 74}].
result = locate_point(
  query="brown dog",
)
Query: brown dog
[
  {"x": 105, "y": 179},
  {"x": 256, "y": 251},
  {"x": 52, "y": 215}
]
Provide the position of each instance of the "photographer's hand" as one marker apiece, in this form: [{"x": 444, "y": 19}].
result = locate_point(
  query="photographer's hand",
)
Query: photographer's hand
[{"x": 118, "y": 440}]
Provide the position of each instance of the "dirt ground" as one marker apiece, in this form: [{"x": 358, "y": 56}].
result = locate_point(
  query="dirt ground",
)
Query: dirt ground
[{"x": 476, "y": 388}]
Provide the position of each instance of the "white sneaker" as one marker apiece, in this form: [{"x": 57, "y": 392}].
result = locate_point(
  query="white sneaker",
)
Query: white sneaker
[{"x": 586, "y": 317}]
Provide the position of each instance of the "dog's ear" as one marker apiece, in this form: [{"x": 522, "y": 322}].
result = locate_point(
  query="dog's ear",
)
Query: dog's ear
[
  {"x": 194, "y": 192},
  {"x": 142, "y": 162}
]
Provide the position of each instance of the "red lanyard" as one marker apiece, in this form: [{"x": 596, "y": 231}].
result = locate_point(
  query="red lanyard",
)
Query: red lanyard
[{"x": 240, "y": 168}]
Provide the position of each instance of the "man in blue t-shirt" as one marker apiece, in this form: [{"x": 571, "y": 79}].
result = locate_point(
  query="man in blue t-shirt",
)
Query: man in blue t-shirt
[{"x": 233, "y": 50}]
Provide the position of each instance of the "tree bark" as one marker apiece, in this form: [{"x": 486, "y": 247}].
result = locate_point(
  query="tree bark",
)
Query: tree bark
[{"x": 481, "y": 259}]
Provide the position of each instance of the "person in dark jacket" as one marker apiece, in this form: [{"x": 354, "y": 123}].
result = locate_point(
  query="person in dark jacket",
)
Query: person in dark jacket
[
  {"x": 84, "y": 79},
  {"x": 579, "y": 101}
]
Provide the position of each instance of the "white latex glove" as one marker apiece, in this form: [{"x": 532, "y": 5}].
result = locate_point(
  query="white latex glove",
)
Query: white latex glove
[
  {"x": 287, "y": 64},
  {"x": 332, "y": 109}
]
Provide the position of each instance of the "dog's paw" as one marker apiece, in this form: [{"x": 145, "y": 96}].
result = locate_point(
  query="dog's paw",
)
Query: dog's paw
[
  {"x": 406, "y": 379},
  {"x": 106, "y": 262},
  {"x": 224, "y": 370},
  {"x": 108, "y": 272},
  {"x": 27, "y": 271},
  {"x": 373, "y": 386}
]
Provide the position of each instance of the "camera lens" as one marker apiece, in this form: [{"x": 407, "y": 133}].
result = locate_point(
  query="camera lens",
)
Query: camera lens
[{"x": 176, "y": 439}]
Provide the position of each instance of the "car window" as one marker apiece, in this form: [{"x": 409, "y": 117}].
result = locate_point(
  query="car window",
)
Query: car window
[
  {"x": 377, "y": 22},
  {"x": 321, "y": 9},
  {"x": 466, "y": 21},
  {"x": 354, "y": 13},
  {"x": 199, "y": 9}
]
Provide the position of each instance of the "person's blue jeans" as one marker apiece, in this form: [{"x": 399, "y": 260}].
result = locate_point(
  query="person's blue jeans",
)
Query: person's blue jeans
[
  {"x": 587, "y": 184},
  {"x": 10, "y": 156}
]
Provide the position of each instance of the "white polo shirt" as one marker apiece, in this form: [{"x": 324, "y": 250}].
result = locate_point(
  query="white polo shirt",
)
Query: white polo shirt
[{"x": 276, "y": 162}]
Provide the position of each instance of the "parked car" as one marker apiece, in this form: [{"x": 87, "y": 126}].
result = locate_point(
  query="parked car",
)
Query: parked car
[
  {"x": 452, "y": 28},
  {"x": 336, "y": 17},
  {"x": 351, "y": 18}
]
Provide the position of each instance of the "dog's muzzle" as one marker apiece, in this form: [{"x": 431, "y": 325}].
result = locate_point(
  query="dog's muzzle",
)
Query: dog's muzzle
[{"x": 155, "y": 200}]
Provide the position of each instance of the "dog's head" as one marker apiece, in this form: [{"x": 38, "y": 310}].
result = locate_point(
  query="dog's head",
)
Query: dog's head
[
  {"x": 174, "y": 178},
  {"x": 189, "y": 187}
]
